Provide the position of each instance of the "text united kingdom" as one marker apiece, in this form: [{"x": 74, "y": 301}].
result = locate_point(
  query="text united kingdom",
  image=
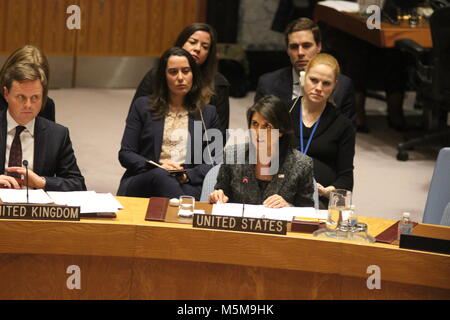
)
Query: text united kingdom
[{"x": 39, "y": 212}]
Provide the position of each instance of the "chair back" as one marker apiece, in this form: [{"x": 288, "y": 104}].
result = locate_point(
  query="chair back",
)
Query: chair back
[
  {"x": 209, "y": 182},
  {"x": 440, "y": 34},
  {"x": 439, "y": 192}
]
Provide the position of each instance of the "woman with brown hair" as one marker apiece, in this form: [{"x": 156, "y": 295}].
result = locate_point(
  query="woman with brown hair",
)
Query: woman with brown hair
[
  {"x": 200, "y": 40},
  {"x": 161, "y": 129},
  {"x": 281, "y": 175}
]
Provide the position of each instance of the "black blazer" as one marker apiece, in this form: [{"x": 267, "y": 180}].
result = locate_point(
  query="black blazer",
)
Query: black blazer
[
  {"x": 332, "y": 147},
  {"x": 220, "y": 100},
  {"x": 54, "y": 158},
  {"x": 279, "y": 83},
  {"x": 142, "y": 141},
  {"x": 47, "y": 112}
]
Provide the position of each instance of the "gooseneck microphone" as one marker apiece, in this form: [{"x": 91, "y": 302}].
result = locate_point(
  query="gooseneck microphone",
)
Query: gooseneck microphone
[
  {"x": 25, "y": 164},
  {"x": 245, "y": 183}
]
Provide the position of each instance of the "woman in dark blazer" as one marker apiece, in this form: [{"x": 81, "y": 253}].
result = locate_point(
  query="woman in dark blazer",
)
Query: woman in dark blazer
[
  {"x": 321, "y": 131},
  {"x": 278, "y": 177},
  {"x": 200, "y": 40},
  {"x": 167, "y": 128}
]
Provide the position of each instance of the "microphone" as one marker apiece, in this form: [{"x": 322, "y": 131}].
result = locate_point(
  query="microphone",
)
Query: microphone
[
  {"x": 25, "y": 164},
  {"x": 244, "y": 182}
]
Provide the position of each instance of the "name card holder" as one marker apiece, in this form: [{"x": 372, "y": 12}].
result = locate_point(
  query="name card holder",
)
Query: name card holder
[
  {"x": 242, "y": 224},
  {"x": 29, "y": 211}
]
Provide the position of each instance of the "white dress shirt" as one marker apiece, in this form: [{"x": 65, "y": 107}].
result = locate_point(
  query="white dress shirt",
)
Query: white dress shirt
[
  {"x": 26, "y": 139},
  {"x": 297, "y": 89}
]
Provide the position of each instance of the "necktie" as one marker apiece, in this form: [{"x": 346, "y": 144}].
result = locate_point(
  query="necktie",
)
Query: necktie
[{"x": 15, "y": 154}]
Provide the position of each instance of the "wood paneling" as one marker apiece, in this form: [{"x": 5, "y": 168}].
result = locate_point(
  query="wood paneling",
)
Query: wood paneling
[
  {"x": 129, "y": 257},
  {"x": 133, "y": 28},
  {"x": 39, "y": 22},
  {"x": 28, "y": 276},
  {"x": 108, "y": 27}
]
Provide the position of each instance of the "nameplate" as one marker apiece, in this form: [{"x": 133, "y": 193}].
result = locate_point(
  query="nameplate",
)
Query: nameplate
[
  {"x": 209, "y": 221},
  {"x": 39, "y": 212}
]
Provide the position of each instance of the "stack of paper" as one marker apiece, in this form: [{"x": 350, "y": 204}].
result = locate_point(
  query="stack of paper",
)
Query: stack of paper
[
  {"x": 259, "y": 211},
  {"x": 88, "y": 201},
  {"x": 20, "y": 196}
]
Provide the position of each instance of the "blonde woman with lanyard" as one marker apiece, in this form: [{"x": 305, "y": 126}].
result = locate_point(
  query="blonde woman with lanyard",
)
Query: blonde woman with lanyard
[{"x": 322, "y": 132}]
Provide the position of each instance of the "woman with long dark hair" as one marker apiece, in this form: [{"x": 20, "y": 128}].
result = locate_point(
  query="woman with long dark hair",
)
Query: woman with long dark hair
[
  {"x": 200, "y": 40},
  {"x": 281, "y": 176},
  {"x": 161, "y": 129}
]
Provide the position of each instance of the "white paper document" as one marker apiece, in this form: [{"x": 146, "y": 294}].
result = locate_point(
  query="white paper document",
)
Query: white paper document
[
  {"x": 346, "y": 6},
  {"x": 88, "y": 201},
  {"x": 37, "y": 196},
  {"x": 259, "y": 211}
]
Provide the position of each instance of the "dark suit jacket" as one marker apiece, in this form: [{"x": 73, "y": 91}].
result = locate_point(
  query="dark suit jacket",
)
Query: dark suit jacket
[
  {"x": 220, "y": 100},
  {"x": 332, "y": 147},
  {"x": 47, "y": 112},
  {"x": 142, "y": 141},
  {"x": 279, "y": 83},
  {"x": 294, "y": 180},
  {"x": 54, "y": 158}
]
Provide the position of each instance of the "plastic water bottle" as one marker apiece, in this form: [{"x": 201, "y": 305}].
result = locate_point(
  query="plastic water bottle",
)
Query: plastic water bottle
[{"x": 405, "y": 225}]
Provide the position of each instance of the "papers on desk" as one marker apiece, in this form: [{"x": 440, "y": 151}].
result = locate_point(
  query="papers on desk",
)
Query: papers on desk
[
  {"x": 346, "y": 6},
  {"x": 88, "y": 201},
  {"x": 259, "y": 211},
  {"x": 20, "y": 196}
]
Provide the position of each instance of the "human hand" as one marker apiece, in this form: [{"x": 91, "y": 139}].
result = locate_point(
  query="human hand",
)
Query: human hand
[
  {"x": 275, "y": 201},
  {"x": 170, "y": 165},
  {"x": 217, "y": 196},
  {"x": 8, "y": 182},
  {"x": 182, "y": 178},
  {"x": 325, "y": 192},
  {"x": 34, "y": 181}
]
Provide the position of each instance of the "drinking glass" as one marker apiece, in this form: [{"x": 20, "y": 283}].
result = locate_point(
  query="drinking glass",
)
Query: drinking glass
[
  {"x": 186, "y": 207},
  {"x": 338, "y": 206}
]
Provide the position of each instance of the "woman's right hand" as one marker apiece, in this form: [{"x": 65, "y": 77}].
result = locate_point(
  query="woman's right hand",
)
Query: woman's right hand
[
  {"x": 217, "y": 196},
  {"x": 170, "y": 165}
]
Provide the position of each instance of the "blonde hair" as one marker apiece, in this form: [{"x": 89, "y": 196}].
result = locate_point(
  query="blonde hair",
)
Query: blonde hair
[
  {"x": 31, "y": 64},
  {"x": 326, "y": 59}
]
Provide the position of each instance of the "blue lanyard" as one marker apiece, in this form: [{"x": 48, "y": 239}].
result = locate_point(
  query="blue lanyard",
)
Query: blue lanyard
[{"x": 305, "y": 150}]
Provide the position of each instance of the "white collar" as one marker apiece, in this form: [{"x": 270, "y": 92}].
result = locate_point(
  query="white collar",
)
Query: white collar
[
  {"x": 295, "y": 77},
  {"x": 12, "y": 124}
]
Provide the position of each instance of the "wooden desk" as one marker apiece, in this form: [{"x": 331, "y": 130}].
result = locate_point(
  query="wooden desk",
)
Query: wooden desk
[
  {"x": 354, "y": 25},
  {"x": 130, "y": 258}
]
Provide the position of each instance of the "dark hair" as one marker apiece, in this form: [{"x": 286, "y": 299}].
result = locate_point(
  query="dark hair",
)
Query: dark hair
[
  {"x": 159, "y": 100},
  {"x": 275, "y": 111},
  {"x": 209, "y": 67},
  {"x": 302, "y": 24}
]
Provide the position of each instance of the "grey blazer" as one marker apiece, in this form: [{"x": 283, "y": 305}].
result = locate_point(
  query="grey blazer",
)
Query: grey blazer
[{"x": 294, "y": 180}]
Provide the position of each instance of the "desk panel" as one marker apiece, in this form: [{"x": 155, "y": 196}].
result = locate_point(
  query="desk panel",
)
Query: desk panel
[{"x": 128, "y": 257}]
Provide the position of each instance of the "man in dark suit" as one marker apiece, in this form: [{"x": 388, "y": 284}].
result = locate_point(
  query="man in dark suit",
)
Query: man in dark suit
[
  {"x": 303, "y": 41},
  {"x": 26, "y": 136}
]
